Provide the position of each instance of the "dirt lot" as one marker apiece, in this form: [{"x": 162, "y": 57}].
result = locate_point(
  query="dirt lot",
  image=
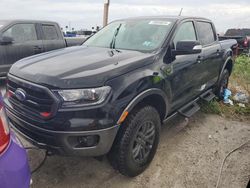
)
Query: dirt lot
[{"x": 189, "y": 155}]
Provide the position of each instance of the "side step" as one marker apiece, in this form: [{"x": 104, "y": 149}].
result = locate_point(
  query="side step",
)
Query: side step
[
  {"x": 189, "y": 109},
  {"x": 208, "y": 96}
]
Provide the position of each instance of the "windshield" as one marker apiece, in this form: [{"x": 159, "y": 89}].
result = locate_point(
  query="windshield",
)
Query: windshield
[{"x": 141, "y": 35}]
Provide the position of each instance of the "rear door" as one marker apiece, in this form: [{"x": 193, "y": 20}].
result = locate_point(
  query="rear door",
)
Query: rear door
[
  {"x": 52, "y": 37},
  {"x": 26, "y": 43},
  {"x": 211, "y": 52}
]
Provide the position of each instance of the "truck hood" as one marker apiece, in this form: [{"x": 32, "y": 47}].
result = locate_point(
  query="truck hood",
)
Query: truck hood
[{"x": 79, "y": 67}]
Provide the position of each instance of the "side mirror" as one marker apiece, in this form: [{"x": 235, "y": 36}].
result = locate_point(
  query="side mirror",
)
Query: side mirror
[
  {"x": 4, "y": 40},
  {"x": 187, "y": 47}
]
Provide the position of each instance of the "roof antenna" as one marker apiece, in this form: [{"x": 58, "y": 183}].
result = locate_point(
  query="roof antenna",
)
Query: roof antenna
[{"x": 180, "y": 12}]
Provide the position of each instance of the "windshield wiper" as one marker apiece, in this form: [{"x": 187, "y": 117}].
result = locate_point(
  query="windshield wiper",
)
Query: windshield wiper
[{"x": 112, "y": 43}]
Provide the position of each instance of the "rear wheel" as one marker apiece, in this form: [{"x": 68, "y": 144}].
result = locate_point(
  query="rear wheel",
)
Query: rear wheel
[
  {"x": 223, "y": 84},
  {"x": 136, "y": 142}
]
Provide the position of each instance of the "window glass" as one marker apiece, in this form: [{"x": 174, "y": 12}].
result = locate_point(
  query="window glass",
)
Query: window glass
[
  {"x": 142, "y": 35},
  {"x": 50, "y": 32},
  {"x": 186, "y": 32},
  {"x": 206, "y": 33},
  {"x": 22, "y": 32}
]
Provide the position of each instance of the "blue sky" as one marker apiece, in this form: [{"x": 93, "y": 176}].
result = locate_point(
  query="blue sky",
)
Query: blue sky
[{"x": 87, "y": 13}]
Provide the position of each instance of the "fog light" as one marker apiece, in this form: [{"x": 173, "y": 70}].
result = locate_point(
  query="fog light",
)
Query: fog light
[{"x": 87, "y": 141}]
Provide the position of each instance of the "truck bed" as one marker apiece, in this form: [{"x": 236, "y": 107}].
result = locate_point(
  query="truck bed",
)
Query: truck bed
[{"x": 228, "y": 43}]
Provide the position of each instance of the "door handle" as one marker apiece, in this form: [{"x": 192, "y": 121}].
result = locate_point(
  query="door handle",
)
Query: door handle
[
  {"x": 199, "y": 59},
  {"x": 37, "y": 48},
  {"x": 217, "y": 52}
]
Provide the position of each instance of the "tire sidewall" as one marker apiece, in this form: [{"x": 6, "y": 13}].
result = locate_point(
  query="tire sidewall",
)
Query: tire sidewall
[
  {"x": 134, "y": 168},
  {"x": 224, "y": 75}
]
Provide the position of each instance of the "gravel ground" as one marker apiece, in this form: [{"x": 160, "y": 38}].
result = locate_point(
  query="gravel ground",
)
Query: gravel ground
[{"x": 189, "y": 155}]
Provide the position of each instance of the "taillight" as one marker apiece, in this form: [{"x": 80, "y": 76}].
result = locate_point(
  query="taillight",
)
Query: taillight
[
  {"x": 245, "y": 43},
  {"x": 4, "y": 128}
]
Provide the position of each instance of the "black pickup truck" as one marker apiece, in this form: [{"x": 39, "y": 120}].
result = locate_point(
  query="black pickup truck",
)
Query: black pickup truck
[
  {"x": 23, "y": 38},
  {"x": 242, "y": 36},
  {"x": 112, "y": 94}
]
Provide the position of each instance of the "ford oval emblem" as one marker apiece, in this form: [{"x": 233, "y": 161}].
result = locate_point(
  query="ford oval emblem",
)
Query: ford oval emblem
[{"x": 20, "y": 94}]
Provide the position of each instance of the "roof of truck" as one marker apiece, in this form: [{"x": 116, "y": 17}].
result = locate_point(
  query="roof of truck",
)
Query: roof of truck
[
  {"x": 167, "y": 17},
  {"x": 25, "y": 21}
]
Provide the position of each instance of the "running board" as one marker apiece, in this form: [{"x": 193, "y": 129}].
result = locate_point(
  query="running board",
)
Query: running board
[
  {"x": 189, "y": 110},
  {"x": 208, "y": 96}
]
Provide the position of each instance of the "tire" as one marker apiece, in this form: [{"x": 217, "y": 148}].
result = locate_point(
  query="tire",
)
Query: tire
[
  {"x": 126, "y": 155},
  {"x": 223, "y": 83}
]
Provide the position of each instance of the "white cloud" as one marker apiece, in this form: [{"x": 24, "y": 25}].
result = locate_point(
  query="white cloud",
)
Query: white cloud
[
  {"x": 84, "y": 14},
  {"x": 224, "y": 16}
]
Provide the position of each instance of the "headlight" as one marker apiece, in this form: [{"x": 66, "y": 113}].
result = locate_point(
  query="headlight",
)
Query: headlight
[{"x": 84, "y": 97}]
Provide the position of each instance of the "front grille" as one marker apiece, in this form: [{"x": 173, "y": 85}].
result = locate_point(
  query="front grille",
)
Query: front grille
[{"x": 38, "y": 99}]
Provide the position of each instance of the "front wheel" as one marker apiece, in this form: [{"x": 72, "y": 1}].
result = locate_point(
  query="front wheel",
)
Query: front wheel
[{"x": 136, "y": 142}]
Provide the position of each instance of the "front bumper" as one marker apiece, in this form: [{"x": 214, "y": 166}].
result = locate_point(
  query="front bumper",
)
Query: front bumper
[
  {"x": 14, "y": 167},
  {"x": 64, "y": 142}
]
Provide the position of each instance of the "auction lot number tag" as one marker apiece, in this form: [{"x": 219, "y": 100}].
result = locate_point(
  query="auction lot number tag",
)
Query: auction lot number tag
[{"x": 159, "y": 22}]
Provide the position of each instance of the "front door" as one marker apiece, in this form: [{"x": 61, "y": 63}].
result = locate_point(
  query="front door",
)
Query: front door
[
  {"x": 25, "y": 43},
  {"x": 185, "y": 73}
]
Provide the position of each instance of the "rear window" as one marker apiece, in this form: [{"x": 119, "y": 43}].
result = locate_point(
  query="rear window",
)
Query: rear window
[
  {"x": 50, "y": 32},
  {"x": 206, "y": 33}
]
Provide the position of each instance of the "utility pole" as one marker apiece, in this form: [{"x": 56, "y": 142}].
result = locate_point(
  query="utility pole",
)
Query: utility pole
[
  {"x": 180, "y": 12},
  {"x": 105, "y": 12}
]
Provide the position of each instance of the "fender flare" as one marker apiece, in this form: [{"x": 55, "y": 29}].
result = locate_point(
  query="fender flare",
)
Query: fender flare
[
  {"x": 223, "y": 67},
  {"x": 143, "y": 95}
]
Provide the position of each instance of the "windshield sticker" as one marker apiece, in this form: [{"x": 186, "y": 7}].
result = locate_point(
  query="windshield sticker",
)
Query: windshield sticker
[
  {"x": 147, "y": 43},
  {"x": 158, "y": 22}
]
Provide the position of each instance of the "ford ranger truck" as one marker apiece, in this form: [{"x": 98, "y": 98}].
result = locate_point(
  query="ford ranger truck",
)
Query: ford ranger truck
[{"x": 112, "y": 94}]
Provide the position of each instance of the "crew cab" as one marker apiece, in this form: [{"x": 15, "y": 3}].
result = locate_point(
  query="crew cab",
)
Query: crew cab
[
  {"x": 23, "y": 38},
  {"x": 112, "y": 94}
]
